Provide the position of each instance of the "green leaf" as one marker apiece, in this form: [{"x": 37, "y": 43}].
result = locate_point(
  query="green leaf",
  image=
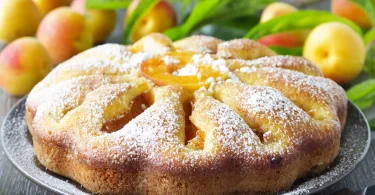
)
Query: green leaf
[
  {"x": 202, "y": 10},
  {"x": 372, "y": 124},
  {"x": 361, "y": 90},
  {"x": 369, "y": 66},
  {"x": 295, "y": 21},
  {"x": 240, "y": 14},
  {"x": 363, "y": 94},
  {"x": 142, "y": 8},
  {"x": 294, "y": 51},
  {"x": 363, "y": 104},
  {"x": 227, "y": 29},
  {"x": 221, "y": 32},
  {"x": 369, "y": 36},
  {"x": 368, "y": 6},
  {"x": 243, "y": 23},
  {"x": 107, "y": 4},
  {"x": 214, "y": 12},
  {"x": 183, "y": 6}
]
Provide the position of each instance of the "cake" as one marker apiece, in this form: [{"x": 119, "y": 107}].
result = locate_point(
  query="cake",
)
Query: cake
[{"x": 195, "y": 116}]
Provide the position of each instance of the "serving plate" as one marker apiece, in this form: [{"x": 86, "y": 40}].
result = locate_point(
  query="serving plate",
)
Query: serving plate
[{"x": 18, "y": 146}]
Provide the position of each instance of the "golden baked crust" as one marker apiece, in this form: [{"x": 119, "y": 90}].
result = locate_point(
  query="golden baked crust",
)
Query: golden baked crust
[{"x": 264, "y": 123}]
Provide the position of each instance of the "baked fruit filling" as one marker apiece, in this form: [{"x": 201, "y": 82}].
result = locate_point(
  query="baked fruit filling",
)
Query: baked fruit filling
[{"x": 182, "y": 69}]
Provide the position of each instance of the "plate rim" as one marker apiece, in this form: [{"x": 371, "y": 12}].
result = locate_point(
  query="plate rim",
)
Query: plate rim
[
  {"x": 21, "y": 170},
  {"x": 357, "y": 162},
  {"x": 47, "y": 187}
]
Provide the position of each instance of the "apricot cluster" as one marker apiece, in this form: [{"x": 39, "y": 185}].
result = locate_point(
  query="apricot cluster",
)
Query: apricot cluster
[{"x": 63, "y": 28}]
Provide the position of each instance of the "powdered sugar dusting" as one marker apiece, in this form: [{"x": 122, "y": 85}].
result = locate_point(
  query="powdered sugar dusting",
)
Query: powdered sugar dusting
[
  {"x": 244, "y": 49},
  {"x": 192, "y": 69},
  {"x": 315, "y": 86},
  {"x": 113, "y": 52},
  {"x": 137, "y": 59},
  {"x": 218, "y": 65},
  {"x": 272, "y": 104},
  {"x": 170, "y": 60},
  {"x": 287, "y": 62},
  {"x": 259, "y": 103},
  {"x": 198, "y": 43},
  {"x": 55, "y": 101},
  {"x": 93, "y": 62},
  {"x": 188, "y": 70},
  {"x": 148, "y": 130},
  {"x": 229, "y": 131}
]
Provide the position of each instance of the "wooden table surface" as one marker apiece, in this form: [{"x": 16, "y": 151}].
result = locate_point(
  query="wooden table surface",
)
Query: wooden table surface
[{"x": 13, "y": 182}]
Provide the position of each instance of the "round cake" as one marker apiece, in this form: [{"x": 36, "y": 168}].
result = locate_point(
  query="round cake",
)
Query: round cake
[{"x": 196, "y": 116}]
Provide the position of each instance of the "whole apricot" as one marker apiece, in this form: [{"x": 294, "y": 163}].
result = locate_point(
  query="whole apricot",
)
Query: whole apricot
[
  {"x": 276, "y": 9},
  {"x": 352, "y": 11},
  {"x": 337, "y": 50},
  {"x": 64, "y": 33},
  {"x": 23, "y": 63},
  {"x": 102, "y": 21},
  {"x": 161, "y": 17},
  {"x": 284, "y": 39},
  {"x": 18, "y": 18},
  {"x": 46, "y": 6}
]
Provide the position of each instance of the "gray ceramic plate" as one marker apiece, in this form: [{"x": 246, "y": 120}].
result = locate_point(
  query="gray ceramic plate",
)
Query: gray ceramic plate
[{"x": 18, "y": 146}]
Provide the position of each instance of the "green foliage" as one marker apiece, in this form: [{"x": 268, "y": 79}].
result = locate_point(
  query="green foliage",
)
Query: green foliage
[
  {"x": 183, "y": 7},
  {"x": 238, "y": 14},
  {"x": 370, "y": 61},
  {"x": 143, "y": 7},
  {"x": 372, "y": 124},
  {"x": 221, "y": 32},
  {"x": 202, "y": 10},
  {"x": 369, "y": 7},
  {"x": 297, "y": 51},
  {"x": 229, "y": 29},
  {"x": 217, "y": 11},
  {"x": 369, "y": 36},
  {"x": 363, "y": 94},
  {"x": 297, "y": 21},
  {"x": 244, "y": 23}
]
